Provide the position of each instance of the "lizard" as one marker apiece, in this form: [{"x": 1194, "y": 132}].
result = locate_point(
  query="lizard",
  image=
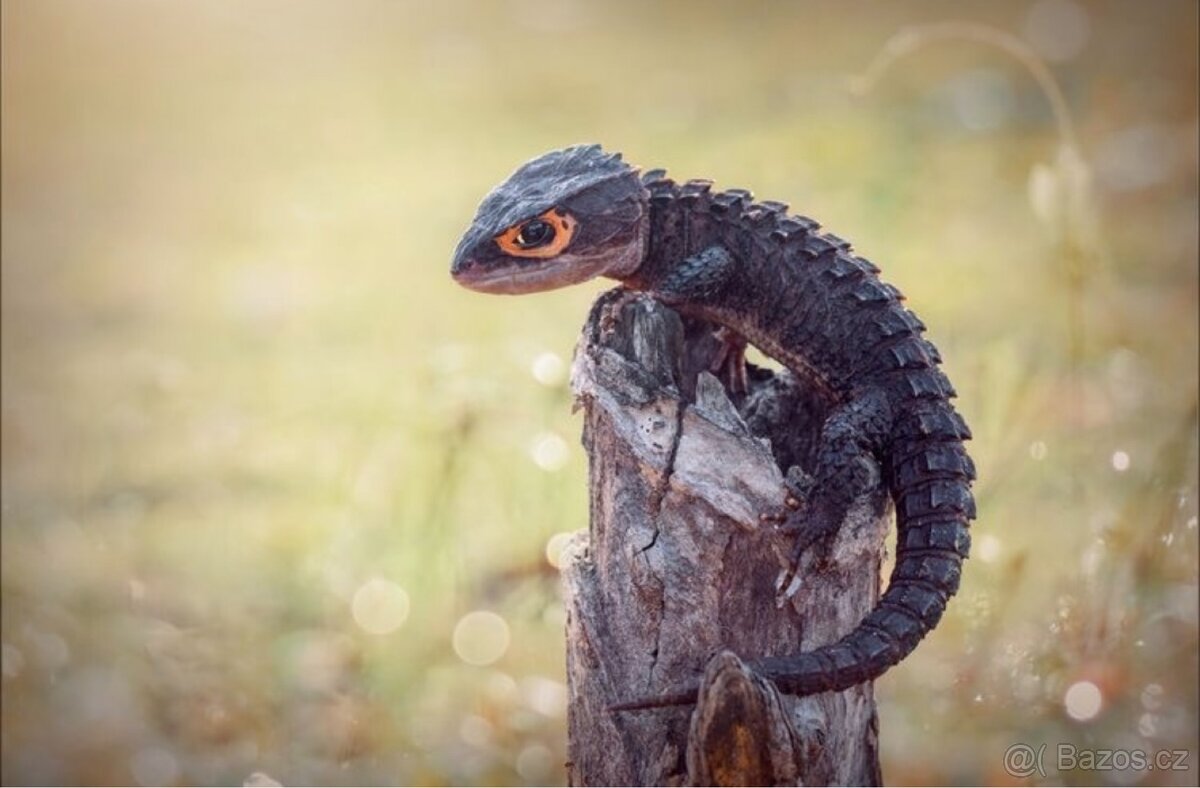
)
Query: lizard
[{"x": 771, "y": 279}]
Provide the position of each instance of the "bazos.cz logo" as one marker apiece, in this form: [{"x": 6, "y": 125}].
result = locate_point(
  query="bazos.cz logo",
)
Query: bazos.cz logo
[{"x": 1022, "y": 760}]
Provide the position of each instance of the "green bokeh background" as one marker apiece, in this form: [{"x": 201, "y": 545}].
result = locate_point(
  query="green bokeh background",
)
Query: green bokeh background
[{"x": 239, "y": 385}]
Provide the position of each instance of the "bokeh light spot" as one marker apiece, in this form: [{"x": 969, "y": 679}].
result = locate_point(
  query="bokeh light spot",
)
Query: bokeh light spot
[
  {"x": 988, "y": 548},
  {"x": 534, "y": 762},
  {"x": 501, "y": 688},
  {"x": 1037, "y": 450},
  {"x": 319, "y": 660},
  {"x": 548, "y": 369},
  {"x": 545, "y": 696},
  {"x": 380, "y": 606},
  {"x": 1083, "y": 700},
  {"x": 475, "y": 731},
  {"x": 554, "y": 547},
  {"x": 1120, "y": 461},
  {"x": 480, "y": 637},
  {"x": 549, "y": 452}
]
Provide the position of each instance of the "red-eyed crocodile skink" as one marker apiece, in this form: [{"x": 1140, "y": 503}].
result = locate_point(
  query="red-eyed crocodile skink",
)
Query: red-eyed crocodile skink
[{"x": 803, "y": 298}]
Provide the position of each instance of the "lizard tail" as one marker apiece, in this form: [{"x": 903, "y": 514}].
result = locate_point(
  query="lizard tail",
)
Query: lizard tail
[
  {"x": 930, "y": 475},
  {"x": 930, "y": 478}
]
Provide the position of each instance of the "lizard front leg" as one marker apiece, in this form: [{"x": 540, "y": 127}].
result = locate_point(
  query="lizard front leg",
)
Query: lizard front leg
[{"x": 696, "y": 280}]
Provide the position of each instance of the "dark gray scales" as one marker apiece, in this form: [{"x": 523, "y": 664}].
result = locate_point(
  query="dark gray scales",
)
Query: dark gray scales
[
  {"x": 806, "y": 299},
  {"x": 539, "y": 185}
]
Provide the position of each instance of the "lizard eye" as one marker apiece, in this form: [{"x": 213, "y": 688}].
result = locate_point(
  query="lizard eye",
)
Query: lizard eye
[
  {"x": 535, "y": 233},
  {"x": 540, "y": 237}
]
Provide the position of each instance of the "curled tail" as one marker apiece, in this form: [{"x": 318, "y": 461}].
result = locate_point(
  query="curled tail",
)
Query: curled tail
[{"x": 930, "y": 475}]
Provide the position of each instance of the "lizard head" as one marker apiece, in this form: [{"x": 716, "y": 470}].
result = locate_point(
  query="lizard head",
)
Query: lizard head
[{"x": 565, "y": 217}]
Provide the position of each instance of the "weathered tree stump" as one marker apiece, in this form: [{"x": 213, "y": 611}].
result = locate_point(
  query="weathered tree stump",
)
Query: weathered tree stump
[{"x": 677, "y": 574}]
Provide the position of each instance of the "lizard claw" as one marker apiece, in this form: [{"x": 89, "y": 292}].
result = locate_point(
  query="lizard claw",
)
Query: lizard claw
[
  {"x": 815, "y": 530},
  {"x": 773, "y": 518},
  {"x": 799, "y": 487}
]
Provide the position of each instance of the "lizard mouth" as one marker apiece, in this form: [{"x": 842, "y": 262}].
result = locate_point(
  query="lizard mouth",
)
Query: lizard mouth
[{"x": 518, "y": 280}]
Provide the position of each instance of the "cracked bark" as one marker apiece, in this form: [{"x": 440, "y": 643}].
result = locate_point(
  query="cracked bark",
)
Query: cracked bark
[{"x": 677, "y": 575}]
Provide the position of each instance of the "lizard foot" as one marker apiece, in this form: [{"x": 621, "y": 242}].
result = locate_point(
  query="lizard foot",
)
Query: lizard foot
[
  {"x": 813, "y": 531},
  {"x": 799, "y": 488}
]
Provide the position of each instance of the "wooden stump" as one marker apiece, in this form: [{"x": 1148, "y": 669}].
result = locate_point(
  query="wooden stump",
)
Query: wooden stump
[{"x": 677, "y": 574}]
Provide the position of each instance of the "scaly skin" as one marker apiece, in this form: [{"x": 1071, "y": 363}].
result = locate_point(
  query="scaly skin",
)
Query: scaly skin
[{"x": 804, "y": 299}]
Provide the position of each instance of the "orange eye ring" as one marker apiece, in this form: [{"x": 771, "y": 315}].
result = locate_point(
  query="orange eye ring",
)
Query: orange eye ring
[{"x": 561, "y": 222}]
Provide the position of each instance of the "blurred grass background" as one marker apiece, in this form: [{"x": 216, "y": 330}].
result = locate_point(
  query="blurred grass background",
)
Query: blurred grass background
[{"x": 279, "y": 498}]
